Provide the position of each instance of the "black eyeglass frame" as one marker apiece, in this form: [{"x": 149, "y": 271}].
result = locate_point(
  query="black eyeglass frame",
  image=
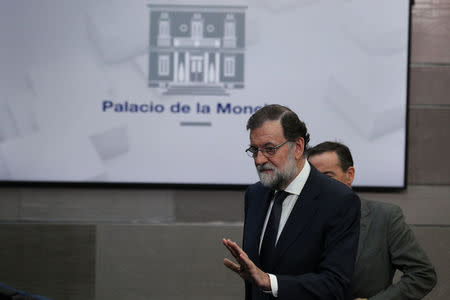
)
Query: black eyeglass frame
[{"x": 268, "y": 151}]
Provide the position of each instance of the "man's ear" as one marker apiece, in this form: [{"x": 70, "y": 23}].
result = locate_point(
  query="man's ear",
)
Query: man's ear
[
  {"x": 299, "y": 148},
  {"x": 350, "y": 175}
]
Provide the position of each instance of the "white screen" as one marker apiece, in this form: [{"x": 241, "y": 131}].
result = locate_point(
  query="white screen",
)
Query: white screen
[{"x": 145, "y": 92}]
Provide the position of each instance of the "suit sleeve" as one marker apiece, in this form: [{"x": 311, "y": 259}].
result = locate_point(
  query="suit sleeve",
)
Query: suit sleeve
[
  {"x": 419, "y": 276},
  {"x": 335, "y": 270}
]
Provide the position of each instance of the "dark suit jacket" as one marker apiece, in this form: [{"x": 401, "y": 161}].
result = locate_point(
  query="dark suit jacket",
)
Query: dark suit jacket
[
  {"x": 386, "y": 244},
  {"x": 316, "y": 250}
]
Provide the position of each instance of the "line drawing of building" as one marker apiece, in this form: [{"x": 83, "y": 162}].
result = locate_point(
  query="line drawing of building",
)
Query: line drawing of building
[{"x": 196, "y": 49}]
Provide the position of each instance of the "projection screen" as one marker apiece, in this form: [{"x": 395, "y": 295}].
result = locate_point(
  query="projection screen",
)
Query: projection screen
[{"x": 113, "y": 91}]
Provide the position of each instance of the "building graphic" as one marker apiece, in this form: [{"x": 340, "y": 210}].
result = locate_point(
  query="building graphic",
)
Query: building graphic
[{"x": 196, "y": 49}]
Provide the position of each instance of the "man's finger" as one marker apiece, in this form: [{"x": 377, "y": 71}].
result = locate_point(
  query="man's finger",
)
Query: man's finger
[
  {"x": 237, "y": 250},
  {"x": 231, "y": 265},
  {"x": 231, "y": 248},
  {"x": 237, "y": 253},
  {"x": 235, "y": 246},
  {"x": 245, "y": 261}
]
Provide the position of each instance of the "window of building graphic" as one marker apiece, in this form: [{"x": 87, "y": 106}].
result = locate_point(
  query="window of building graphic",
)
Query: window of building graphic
[
  {"x": 229, "y": 66},
  {"x": 163, "y": 65},
  {"x": 164, "y": 28},
  {"x": 197, "y": 29},
  {"x": 196, "y": 66},
  {"x": 230, "y": 29},
  {"x": 164, "y": 25},
  {"x": 230, "y": 26},
  {"x": 197, "y": 26}
]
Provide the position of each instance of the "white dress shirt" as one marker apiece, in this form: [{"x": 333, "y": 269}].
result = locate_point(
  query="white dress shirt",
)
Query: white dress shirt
[{"x": 294, "y": 189}]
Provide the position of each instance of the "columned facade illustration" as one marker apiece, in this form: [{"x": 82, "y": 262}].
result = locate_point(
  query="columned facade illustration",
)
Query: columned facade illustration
[{"x": 196, "y": 49}]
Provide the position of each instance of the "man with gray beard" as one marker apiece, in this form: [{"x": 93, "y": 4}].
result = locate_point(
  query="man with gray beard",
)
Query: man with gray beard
[{"x": 301, "y": 228}]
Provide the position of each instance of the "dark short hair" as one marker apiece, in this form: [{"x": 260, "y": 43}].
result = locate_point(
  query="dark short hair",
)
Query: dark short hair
[
  {"x": 343, "y": 153},
  {"x": 293, "y": 127}
]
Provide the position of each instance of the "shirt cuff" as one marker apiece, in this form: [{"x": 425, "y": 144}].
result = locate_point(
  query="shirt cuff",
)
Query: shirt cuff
[{"x": 274, "y": 285}]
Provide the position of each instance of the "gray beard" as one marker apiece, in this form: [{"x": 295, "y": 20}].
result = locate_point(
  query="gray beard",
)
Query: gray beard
[{"x": 279, "y": 178}]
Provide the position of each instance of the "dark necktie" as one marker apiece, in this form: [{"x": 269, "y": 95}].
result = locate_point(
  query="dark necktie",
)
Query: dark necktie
[{"x": 270, "y": 235}]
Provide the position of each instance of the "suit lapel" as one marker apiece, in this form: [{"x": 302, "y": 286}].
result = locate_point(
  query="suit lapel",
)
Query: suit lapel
[
  {"x": 363, "y": 227},
  {"x": 255, "y": 231},
  {"x": 304, "y": 209}
]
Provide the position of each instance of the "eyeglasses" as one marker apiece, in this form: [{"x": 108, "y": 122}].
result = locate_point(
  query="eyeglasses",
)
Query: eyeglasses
[{"x": 266, "y": 151}]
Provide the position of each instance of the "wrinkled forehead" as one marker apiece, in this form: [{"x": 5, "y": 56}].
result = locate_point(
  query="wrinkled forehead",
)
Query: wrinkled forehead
[{"x": 268, "y": 132}]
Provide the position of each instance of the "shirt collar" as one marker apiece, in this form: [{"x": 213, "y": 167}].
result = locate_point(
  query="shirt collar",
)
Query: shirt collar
[{"x": 296, "y": 186}]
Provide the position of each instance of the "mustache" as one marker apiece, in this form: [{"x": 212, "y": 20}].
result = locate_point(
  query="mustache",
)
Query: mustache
[{"x": 265, "y": 167}]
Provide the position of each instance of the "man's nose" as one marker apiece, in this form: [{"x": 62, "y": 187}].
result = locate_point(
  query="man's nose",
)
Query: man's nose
[{"x": 260, "y": 158}]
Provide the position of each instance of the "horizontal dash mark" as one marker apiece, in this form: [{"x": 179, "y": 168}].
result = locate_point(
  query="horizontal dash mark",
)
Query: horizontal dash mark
[{"x": 195, "y": 123}]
